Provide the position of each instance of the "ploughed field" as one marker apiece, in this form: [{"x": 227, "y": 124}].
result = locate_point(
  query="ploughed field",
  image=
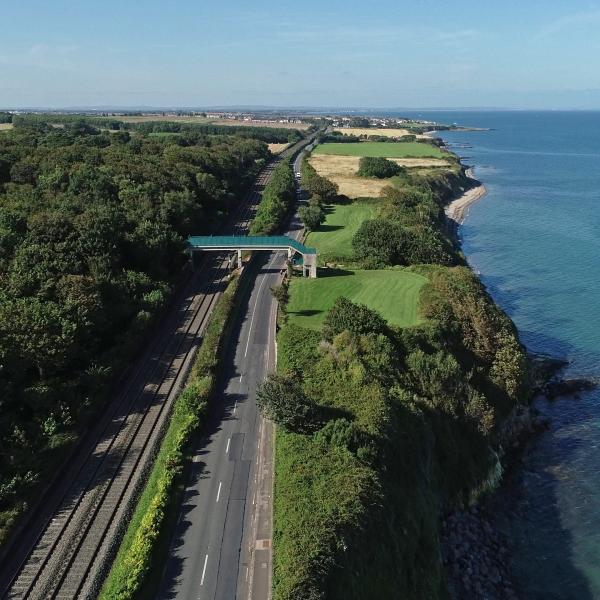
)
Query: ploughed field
[
  {"x": 394, "y": 293},
  {"x": 381, "y": 149}
]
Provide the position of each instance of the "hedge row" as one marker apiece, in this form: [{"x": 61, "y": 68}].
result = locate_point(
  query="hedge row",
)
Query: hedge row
[
  {"x": 278, "y": 198},
  {"x": 137, "y": 553}
]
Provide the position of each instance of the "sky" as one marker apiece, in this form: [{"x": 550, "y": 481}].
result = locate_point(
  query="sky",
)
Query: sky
[{"x": 314, "y": 53}]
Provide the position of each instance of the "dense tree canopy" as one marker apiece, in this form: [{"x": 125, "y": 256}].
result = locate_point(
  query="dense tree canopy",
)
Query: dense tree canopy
[{"x": 92, "y": 230}]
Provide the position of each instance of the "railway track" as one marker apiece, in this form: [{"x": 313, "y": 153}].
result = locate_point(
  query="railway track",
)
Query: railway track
[{"x": 70, "y": 556}]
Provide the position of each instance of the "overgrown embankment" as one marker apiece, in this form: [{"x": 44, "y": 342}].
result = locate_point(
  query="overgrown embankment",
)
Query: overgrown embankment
[{"x": 381, "y": 428}]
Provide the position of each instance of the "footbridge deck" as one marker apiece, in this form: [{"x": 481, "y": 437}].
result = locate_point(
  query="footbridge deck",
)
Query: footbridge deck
[{"x": 271, "y": 243}]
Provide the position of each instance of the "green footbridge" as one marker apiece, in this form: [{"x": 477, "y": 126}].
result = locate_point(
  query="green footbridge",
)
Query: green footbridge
[{"x": 239, "y": 243}]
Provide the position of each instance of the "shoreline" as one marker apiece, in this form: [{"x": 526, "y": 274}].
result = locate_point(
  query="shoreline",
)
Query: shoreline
[{"x": 458, "y": 209}]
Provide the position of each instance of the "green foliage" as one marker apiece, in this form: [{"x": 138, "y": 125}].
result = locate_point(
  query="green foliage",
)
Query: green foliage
[
  {"x": 382, "y": 168},
  {"x": 348, "y": 316},
  {"x": 278, "y": 198},
  {"x": 312, "y": 216},
  {"x": 6, "y": 117},
  {"x": 281, "y": 399},
  {"x": 316, "y": 185},
  {"x": 92, "y": 229},
  {"x": 138, "y": 550},
  {"x": 413, "y": 411},
  {"x": 381, "y": 242}
]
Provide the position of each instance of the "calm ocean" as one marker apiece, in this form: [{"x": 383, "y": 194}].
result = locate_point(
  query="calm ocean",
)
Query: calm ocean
[{"x": 535, "y": 240}]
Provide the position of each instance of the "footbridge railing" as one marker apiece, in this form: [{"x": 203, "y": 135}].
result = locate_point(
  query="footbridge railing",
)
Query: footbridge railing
[{"x": 271, "y": 243}]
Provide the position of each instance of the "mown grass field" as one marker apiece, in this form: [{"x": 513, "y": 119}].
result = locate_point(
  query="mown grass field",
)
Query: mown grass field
[
  {"x": 334, "y": 237},
  {"x": 393, "y": 293},
  {"x": 5, "y": 126},
  {"x": 381, "y": 149}
]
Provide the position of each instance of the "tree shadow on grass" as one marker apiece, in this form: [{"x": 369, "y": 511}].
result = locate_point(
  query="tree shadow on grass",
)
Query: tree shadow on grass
[
  {"x": 305, "y": 313},
  {"x": 333, "y": 272}
]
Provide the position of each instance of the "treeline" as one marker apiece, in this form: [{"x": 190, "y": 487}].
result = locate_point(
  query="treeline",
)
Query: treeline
[
  {"x": 340, "y": 137},
  {"x": 275, "y": 135},
  {"x": 278, "y": 198},
  {"x": 92, "y": 230},
  {"x": 6, "y": 117},
  {"x": 378, "y": 428},
  {"x": 410, "y": 229},
  {"x": 321, "y": 192}
]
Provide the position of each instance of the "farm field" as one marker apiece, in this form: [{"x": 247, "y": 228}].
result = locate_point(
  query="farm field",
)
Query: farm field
[
  {"x": 334, "y": 237},
  {"x": 383, "y": 131},
  {"x": 277, "y": 148},
  {"x": 394, "y": 293},
  {"x": 342, "y": 170},
  {"x": 5, "y": 126},
  {"x": 381, "y": 149},
  {"x": 207, "y": 121}
]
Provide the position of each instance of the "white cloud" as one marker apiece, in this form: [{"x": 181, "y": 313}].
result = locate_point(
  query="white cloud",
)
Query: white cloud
[{"x": 565, "y": 23}]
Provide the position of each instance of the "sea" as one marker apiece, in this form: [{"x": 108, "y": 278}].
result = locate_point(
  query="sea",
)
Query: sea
[{"x": 534, "y": 240}]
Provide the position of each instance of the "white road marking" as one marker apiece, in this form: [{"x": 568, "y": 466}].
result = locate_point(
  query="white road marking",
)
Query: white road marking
[
  {"x": 227, "y": 449},
  {"x": 235, "y": 406},
  {"x": 204, "y": 570},
  {"x": 219, "y": 490},
  {"x": 260, "y": 287},
  {"x": 241, "y": 375}
]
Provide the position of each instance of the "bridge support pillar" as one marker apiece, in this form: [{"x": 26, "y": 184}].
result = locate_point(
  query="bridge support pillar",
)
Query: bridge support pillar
[
  {"x": 309, "y": 265},
  {"x": 239, "y": 259}
]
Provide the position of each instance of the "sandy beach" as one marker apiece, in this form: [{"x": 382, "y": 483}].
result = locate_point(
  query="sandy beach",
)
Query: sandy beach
[{"x": 458, "y": 209}]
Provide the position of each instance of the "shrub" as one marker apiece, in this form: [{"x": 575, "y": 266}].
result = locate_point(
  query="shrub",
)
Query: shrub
[
  {"x": 345, "y": 315},
  {"x": 282, "y": 400},
  {"x": 312, "y": 216},
  {"x": 382, "y": 168}
]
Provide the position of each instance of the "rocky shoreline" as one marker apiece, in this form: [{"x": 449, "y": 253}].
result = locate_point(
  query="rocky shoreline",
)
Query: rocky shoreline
[{"x": 476, "y": 554}]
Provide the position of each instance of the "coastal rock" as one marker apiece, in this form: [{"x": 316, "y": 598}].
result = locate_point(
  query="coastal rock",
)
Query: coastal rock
[{"x": 568, "y": 387}]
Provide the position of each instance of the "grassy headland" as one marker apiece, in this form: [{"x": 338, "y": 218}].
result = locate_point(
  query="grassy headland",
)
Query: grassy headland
[{"x": 397, "y": 376}]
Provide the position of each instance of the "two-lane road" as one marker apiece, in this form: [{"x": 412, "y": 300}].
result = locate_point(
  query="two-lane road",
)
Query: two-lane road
[{"x": 221, "y": 548}]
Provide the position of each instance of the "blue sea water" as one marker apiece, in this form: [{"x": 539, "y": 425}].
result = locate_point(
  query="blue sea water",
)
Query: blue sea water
[{"x": 535, "y": 241}]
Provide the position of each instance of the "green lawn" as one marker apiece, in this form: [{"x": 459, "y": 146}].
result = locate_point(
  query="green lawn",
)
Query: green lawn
[
  {"x": 385, "y": 149},
  {"x": 334, "y": 237},
  {"x": 393, "y": 293}
]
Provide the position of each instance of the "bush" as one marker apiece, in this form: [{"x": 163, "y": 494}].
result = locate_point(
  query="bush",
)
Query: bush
[
  {"x": 381, "y": 242},
  {"x": 382, "y": 168},
  {"x": 281, "y": 399},
  {"x": 345, "y": 315},
  {"x": 312, "y": 216}
]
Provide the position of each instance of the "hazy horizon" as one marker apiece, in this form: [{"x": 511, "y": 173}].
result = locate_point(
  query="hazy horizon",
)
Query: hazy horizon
[{"x": 533, "y": 55}]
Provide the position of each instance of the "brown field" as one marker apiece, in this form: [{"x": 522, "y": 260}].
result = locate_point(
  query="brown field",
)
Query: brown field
[
  {"x": 207, "y": 121},
  {"x": 385, "y": 132},
  {"x": 5, "y": 126},
  {"x": 277, "y": 148},
  {"x": 342, "y": 170}
]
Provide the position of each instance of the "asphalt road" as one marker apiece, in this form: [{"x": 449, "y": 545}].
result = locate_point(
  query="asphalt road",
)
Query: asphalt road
[{"x": 222, "y": 544}]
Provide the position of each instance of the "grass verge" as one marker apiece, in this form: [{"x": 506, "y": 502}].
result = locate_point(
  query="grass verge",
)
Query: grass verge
[{"x": 137, "y": 555}]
